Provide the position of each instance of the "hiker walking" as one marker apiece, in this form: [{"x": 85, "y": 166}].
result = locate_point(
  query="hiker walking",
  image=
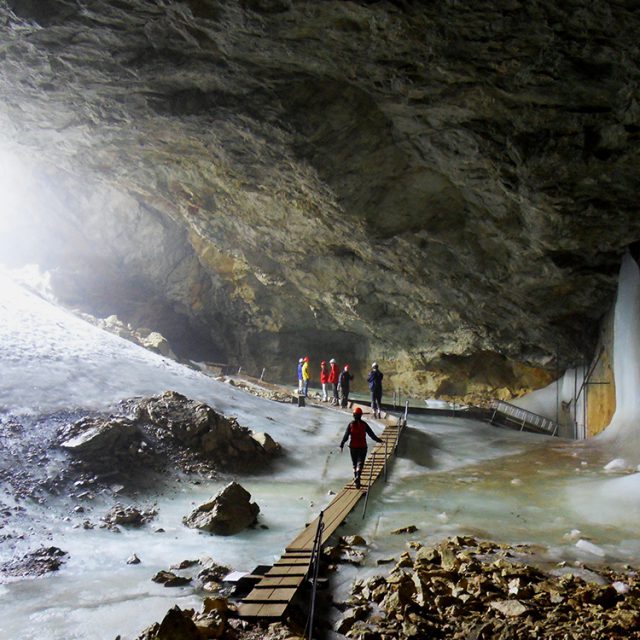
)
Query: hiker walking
[
  {"x": 324, "y": 380},
  {"x": 334, "y": 374},
  {"x": 344, "y": 381},
  {"x": 357, "y": 432},
  {"x": 375, "y": 386}
]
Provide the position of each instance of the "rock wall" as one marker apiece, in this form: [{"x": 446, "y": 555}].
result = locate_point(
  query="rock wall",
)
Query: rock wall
[{"x": 430, "y": 185}]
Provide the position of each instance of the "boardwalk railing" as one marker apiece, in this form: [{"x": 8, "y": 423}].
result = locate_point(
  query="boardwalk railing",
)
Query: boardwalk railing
[
  {"x": 272, "y": 594},
  {"x": 526, "y": 419}
]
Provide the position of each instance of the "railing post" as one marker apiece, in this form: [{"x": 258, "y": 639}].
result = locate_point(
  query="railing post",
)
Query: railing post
[
  {"x": 239, "y": 370},
  {"x": 385, "y": 460},
  {"x": 366, "y": 498},
  {"x": 262, "y": 374}
]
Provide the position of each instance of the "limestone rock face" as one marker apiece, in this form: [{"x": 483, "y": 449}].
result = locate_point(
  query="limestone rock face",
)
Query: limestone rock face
[
  {"x": 424, "y": 184},
  {"x": 229, "y": 512}
]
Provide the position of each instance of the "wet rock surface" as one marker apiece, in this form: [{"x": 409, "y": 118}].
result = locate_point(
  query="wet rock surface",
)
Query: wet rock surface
[
  {"x": 229, "y": 512},
  {"x": 464, "y": 588}
]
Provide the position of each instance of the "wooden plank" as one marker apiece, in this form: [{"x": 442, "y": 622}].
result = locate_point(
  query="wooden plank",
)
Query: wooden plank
[
  {"x": 257, "y": 610},
  {"x": 271, "y": 594},
  {"x": 288, "y": 571},
  {"x": 286, "y": 562},
  {"x": 280, "y": 581}
]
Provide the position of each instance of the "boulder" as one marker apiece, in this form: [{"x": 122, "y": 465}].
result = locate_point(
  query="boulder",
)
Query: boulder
[
  {"x": 227, "y": 513},
  {"x": 98, "y": 437},
  {"x": 176, "y": 625},
  {"x": 170, "y": 579},
  {"x": 267, "y": 443},
  {"x": 156, "y": 342}
]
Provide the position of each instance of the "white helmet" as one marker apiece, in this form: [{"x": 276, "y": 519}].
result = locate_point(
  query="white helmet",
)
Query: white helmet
[
  {"x": 301, "y": 361},
  {"x": 374, "y": 365},
  {"x": 332, "y": 361}
]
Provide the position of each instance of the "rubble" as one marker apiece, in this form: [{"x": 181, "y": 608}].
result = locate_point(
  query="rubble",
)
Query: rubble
[{"x": 464, "y": 588}]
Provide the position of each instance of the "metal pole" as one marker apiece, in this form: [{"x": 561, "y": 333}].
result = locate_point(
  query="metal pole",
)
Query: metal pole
[
  {"x": 385, "y": 460},
  {"x": 262, "y": 374},
  {"x": 239, "y": 370},
  {"x": 575, "y": 403},
  {"x": 366, "y": 498},
  {"x": 317, "y": 544},
  {"x": 557, "y": 384},
  {"x": 586, "y": 409}
]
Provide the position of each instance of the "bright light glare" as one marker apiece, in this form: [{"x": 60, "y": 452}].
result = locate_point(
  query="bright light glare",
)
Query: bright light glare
[{"x": 14, "y": 191}]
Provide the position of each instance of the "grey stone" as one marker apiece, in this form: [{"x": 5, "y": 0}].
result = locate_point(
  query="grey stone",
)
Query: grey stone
[{"x": 229, "y": 512}]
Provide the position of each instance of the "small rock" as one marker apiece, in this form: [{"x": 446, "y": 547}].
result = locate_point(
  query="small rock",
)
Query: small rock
[{"x": 408, "y": 529}]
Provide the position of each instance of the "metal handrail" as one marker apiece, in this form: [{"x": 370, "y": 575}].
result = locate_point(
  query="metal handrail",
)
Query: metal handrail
[
  {"x": 315, "y": 560},
  {"x": 366, "y": 498},
  {"x": 524, "y": 416},
  {"x": 385, "y": 460}
]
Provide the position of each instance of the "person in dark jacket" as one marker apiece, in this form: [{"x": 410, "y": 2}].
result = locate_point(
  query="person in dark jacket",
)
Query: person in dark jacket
[
  {"x": 334, "y": 374},
  {"x": 375, "y": 386},
  {"x": 357, "y": 432},
  {"x": 344, "y": 382}
]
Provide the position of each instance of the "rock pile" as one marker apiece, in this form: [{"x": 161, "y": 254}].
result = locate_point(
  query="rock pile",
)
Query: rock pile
[
  {"x": 147, "y": 338},
  {"x": 199, "y": 429},
  {"x": 229, "y": 512},
  {"x": 190, "y": 434},
  {"x": 35, "y": 563},
  {"x": 262, "y": 390},
  {"x": 463, "y": 589},
  {"x": 128, "y": 516}
]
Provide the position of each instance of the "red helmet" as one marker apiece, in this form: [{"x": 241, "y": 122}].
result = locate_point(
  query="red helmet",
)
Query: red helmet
[
  {"x": 306, "y": 358},
  {"x": 323, "y": 362},
  {"x": 357, "y": 411},
  {"x": 346, "y": 367}
]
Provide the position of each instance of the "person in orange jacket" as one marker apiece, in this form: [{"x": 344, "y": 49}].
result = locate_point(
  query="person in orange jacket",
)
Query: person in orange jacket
[
  {"x": 324, "y": 380},
  {"x": 334, "y": 373},
  {"x": 357, "y": 432}
]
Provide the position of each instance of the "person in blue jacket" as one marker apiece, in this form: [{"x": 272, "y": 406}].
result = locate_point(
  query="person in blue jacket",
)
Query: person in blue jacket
[
  {"x": 300, "y": 363},
  {"x": 375, "y": 386}
]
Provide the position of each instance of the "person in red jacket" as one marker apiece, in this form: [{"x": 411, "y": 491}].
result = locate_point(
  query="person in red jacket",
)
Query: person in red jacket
[
  {"x": 358, "y": 430},
  {"x": 324, "y": 380},
  {"x": 334, "y": 373}
]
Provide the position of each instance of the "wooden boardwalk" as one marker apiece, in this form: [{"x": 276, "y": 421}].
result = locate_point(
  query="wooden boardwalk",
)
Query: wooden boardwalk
[{"x": 272, "y": 594}]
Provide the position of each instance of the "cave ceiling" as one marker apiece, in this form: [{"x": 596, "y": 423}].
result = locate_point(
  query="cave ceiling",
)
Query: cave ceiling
[{"x": 422, "y": 183}]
